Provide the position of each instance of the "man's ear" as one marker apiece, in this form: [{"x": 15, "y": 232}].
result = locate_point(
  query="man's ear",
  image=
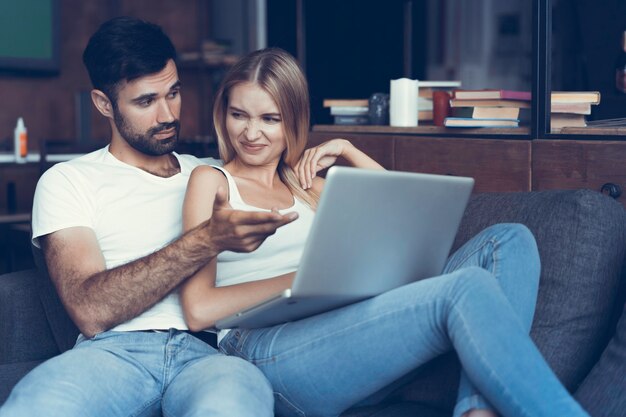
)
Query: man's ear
[{"x": 102, "y": 103}]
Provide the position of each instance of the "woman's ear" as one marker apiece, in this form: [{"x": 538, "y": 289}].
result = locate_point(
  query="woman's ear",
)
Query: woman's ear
[{"x": 102, "y": 103}]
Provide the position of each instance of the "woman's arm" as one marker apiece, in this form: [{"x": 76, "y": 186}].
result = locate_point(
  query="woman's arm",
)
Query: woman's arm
[
  {"x": 203, "y": 303},
  {"x": 325, "y": 155}
]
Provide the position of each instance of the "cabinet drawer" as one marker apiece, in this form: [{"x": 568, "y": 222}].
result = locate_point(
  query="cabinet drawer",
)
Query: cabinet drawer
[
  {"x": 495, "y": 164},
  {"x": 563, "y": 164}
]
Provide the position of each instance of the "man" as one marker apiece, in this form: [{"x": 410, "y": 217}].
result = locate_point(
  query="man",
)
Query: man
[{"x": 109, "y": 225}]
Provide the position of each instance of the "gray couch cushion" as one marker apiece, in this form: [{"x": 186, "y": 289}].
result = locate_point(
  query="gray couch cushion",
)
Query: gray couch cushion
[
  {"x": 603, "y": 393},
  {"x": 63, "y": 328},
  {"x": 25, "y": 337},
  {"x": 24, "y": 329},
  {"x": 11, "y": 374},
  {"x": 581, "y": 237},
  {"x": 402, "y": 409}
]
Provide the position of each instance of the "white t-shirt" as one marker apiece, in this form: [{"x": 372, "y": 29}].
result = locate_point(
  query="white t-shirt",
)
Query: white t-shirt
[{"x": 133, "y": 214}]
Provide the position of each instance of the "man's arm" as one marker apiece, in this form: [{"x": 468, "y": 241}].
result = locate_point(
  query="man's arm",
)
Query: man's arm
[{"x": 98, "y": 299}]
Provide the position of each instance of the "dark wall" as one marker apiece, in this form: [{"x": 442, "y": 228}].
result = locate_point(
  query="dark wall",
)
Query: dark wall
[{"x": 353, "y": 47}]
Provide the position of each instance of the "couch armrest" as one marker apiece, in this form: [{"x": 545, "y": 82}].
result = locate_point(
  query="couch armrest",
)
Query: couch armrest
[{"x": 25, "y": 333}]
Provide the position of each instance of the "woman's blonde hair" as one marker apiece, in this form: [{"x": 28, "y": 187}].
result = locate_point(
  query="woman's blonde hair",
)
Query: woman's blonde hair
[{"x": 278, "y": 73}]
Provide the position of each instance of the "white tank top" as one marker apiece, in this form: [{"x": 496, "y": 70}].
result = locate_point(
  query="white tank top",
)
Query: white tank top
[{"x": 279, "y": 254}]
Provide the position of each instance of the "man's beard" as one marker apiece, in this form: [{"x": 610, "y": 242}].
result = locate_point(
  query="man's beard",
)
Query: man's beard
[{"x": 145, "y": 143}]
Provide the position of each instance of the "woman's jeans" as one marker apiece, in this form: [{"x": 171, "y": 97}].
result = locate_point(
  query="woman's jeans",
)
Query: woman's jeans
[
  {"x": 116, "y": 374},
  {"x": 482, "y": 306}
]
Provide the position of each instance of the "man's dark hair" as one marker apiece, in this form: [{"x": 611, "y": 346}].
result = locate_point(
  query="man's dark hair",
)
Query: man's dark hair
[{"x": 124, "y": 49}]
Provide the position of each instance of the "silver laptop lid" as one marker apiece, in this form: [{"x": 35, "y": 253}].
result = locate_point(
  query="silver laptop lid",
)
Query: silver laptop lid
[{"x": 377, "y": 230}]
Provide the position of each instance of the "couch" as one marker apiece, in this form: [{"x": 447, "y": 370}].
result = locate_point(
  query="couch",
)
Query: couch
[{"x": 581, "y": 236}]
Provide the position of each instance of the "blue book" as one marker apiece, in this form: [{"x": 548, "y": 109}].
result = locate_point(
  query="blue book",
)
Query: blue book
[
  {"x": 352, "y": 120},
  {"x": 472, "y": 122}
]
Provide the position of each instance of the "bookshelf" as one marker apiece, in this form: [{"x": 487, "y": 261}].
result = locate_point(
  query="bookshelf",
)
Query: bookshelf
[
  {"x": 576, "y": 44},
  {"x": 528, "y": 158},
  {"x": 546, "y": 41}
]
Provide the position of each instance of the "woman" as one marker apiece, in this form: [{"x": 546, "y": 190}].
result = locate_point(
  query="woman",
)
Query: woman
[{"x": 322, "y": 365}]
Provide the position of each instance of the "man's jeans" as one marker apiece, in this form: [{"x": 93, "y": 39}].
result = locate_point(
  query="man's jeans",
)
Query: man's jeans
[
  {"x": 167, "y": 373},
  {"x": 482, "y": 307}
]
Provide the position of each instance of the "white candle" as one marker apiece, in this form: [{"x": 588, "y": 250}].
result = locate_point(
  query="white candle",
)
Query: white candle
[{"x": 403, "y": 102}]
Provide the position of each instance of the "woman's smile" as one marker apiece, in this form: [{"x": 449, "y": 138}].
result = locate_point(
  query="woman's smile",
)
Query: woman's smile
[{"x": 252, "y": 147}]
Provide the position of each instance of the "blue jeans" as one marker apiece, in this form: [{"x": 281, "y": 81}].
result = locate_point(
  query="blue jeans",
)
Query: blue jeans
[
  {"x": 482, "y": 306},
  {"x": 167, "y": 373}
]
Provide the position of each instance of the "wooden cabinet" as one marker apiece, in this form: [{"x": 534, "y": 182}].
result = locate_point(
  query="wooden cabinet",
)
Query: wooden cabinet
[
  {"x": 572, "y": 164},
  {"x": 496, "y": 164}
]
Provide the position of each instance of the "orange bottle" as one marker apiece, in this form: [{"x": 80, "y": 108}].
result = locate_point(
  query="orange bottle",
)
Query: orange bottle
[{"x": 20, "y": 141}]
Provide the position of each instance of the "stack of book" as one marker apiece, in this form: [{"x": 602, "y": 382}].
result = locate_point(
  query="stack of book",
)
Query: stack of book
[
  {"x": 355, "y": 111},
  {"x": 348, "y": 111},
  {"x": 487, "y": 108},
  {"x": 570, "y": 108}
]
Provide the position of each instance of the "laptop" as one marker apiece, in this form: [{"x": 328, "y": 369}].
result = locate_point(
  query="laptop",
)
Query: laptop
[{"x": 373, "y": 231}]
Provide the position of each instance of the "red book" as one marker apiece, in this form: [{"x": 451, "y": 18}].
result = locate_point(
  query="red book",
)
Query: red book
[
  {"x": 492, "y": 94},
  {"x": 523, "y": 104}
]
